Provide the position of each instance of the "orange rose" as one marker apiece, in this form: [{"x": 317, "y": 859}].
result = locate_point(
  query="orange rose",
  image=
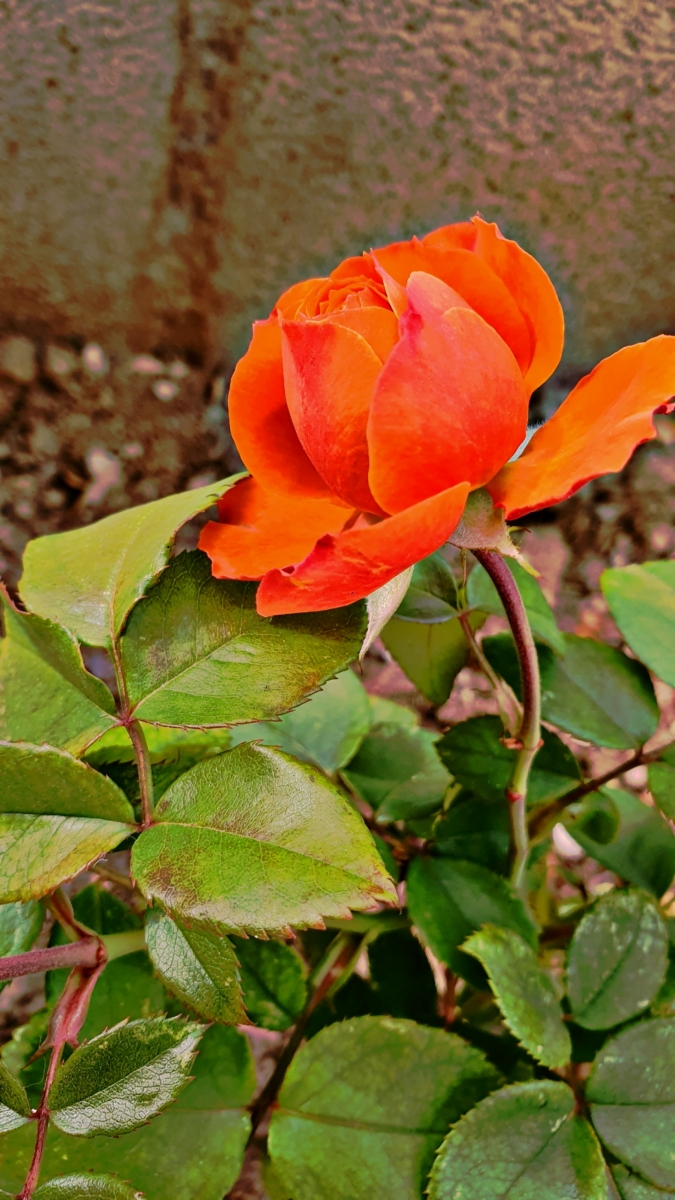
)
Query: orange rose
[{"x": 369, "y": 404}]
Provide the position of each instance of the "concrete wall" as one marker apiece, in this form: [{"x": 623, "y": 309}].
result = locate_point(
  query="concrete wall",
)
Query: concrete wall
[{"x": 166, "y": 166}]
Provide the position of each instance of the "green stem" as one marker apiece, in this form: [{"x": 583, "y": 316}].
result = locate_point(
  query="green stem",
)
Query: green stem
[
  {"x": 118, "y": 944},
  {"x": 144, "y": 768},
  {"x": 529, "y": 733}
]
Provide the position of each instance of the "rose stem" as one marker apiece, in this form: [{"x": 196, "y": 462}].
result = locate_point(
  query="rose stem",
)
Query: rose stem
[{"x": 529, "y": 733}]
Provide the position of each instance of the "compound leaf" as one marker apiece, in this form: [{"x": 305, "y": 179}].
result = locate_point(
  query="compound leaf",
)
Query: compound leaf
[
  {"x": 365, "y": 1104},
  {"x": 122, "y": 1078},
  {"x": 524, "y": 993},
  {"x": 631, "y": 1092},
  {"x": 449, "y": 899},
  {"x": 252, "y": 841},
  {"x": 195, "y": 651},
  {"x": 56, "y": 815},
  {"x": 198, "y": 967},
  {"x": 192, "y": 1151},
  {"x": 522, "y": 1142},
  {"x": 642, "y": 601},
  {"x": 617, "y": 960},
  {"x": 46, "y": 695},
  {"x": 90, "y": 578},
  {"x": 86, "y": 1187},
  {"x": 273, "y": 980}
]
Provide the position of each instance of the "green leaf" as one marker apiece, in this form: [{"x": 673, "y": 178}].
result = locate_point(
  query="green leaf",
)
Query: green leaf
[
  {"x": 365, "y": 1104},
  {"x": 449, "y": 899},
  {"x": 475, "y": 756},
  {"x": 397, "y": 772},
  {"x": 86, "y": 1187},
  {"x": 475, "y": 830},
  {"x": 89, "y": 579},
  {"x": 642, "y": 601},
  {"x": 120, "y": 1079},
  {"x": 631, "y": 1092},
  {"x": 327, "y": 729},
  {"x": 273, "y": 980},
  {"x": 387, "y": 712},
  {"x": 662, "y": 787},
  {"x": 595, "y": 692},
  {"x": 432, "y": 655},
  {"x": 14, "y": 1106},
  {"x": 199, "y": 968},
  {"x": 45, "y": 693},
  {"x": 643, "y": 850},
  {"x": 19, "y": 926},
  {"x": 632, "y": 1187},
  {"x": 56, "y": 816},
  {"x": 432, "y": 594},
  {"x": 617, "y": 960},
  {"x": 522, "y": 1142},
  {"x": 192, "y": 1151},
  {"x": 482, "y": 594},
  {"x": 524, "y": 992},
  {"x": 253, "y": 842},
  {"x": 195, "y": 651}
]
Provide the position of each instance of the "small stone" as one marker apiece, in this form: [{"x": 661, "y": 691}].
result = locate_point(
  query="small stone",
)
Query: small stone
[
  {"x": 178, "y": 369},
  {"x": 203, "y": 479},
  {"x": 107, "y": 397},
  {"x": 53, "y": 498},
  {"x": 146, "y": 364},
  {"x": 218, "y": 389},
  {"x": 132, "y": 450},
  {"x": 5, "y": 450},
  {"x": 24, "y": 509},
  {"x": 165, "y": 389},
  {"x": 60, "y": 362},
  {"x": 17, "y": 359},
  {"x": 94, "y": 359},
  {"x": 106, "y": 473}
]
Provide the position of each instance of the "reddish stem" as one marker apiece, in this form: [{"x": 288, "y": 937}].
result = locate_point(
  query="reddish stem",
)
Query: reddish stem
[
  {"x": 86, "y": 952},
  {"x": 42, "y": 1123}
]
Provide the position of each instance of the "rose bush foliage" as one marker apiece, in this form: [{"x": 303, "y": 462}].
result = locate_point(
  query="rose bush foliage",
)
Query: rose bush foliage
[{"x": 456, "y": 944}]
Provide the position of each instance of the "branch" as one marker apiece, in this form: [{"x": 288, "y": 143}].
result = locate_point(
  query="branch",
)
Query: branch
[
  {"x": 540, "y": 822},
  {"x": 338, "y": 958},
  {"x": 529, "y": 733}
]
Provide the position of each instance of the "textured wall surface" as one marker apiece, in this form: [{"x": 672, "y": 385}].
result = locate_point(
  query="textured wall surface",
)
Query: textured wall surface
[{"x": 168, "y": 166}]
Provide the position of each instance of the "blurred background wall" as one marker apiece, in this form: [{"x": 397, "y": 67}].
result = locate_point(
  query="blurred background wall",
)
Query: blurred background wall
[{"x": 167, "y": 166}]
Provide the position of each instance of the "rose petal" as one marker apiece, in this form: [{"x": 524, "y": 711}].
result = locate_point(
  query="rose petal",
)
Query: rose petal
[
  {"x": 474, "y": 279},
  {"x": 350, "y": 565},
  {"x": 449, "y": 405},
  {"x": 330, "y": 373},
  {"x": 259, "y": 530},
  {"x": 534, "y": 294},
  {"x": 260, "y": 422},
  {"x": 594, "y": 431},
  {"x": 378, "y": 326}
]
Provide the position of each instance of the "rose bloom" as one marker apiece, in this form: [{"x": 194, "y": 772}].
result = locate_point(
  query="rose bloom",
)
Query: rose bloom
[{"x": 369, "y": 404}]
